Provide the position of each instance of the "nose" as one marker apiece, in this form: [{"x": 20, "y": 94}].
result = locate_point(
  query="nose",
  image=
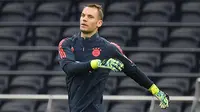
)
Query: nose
[{"x": 84, "y": 19}]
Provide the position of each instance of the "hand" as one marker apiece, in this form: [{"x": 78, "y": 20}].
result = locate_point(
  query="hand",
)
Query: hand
[
  {"x": 160, "y": 95},
  {"x": 163, "y": 98},
  {"x": 113, "y": 64}
]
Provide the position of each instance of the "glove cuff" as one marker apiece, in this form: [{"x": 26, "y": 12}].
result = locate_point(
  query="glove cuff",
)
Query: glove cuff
[
  {"x": 154, "y": 89},
  {"x": 94, "y": 64}
]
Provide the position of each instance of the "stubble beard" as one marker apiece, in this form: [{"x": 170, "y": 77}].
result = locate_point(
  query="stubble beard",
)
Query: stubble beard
[{"x": 86, "y": 32}]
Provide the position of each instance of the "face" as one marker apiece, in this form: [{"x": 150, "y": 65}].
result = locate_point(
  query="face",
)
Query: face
[{"x": 89, "y": 20}]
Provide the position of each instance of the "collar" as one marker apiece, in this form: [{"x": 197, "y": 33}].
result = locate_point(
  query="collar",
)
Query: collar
[{"x": 93, "y": 37}]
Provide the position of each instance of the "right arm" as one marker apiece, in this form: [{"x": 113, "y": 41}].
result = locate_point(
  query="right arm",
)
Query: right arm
[{"x": 67, "y": 59}]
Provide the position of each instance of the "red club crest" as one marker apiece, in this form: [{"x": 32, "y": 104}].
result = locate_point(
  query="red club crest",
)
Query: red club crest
[{"x": 96, "y": 52}]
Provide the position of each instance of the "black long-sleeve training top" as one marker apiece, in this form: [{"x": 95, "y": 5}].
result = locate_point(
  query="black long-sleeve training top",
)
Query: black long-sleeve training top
[{"x": 85, "y": 86}]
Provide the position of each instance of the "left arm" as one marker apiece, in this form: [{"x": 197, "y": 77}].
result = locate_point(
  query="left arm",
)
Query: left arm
[{"x": 131, "y": 70}]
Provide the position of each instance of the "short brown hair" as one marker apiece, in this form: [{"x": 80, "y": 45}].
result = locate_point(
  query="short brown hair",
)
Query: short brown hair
[{"x": 98, "y": 7}]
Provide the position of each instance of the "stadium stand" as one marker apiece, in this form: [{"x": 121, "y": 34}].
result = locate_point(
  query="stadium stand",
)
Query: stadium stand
[{"x": 147, "y": 36}]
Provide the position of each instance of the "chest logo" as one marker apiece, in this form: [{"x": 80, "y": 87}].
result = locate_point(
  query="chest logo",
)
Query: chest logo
[{"x": 96, "y": 52}]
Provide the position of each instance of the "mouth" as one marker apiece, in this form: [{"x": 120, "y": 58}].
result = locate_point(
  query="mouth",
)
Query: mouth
[{"x": 83, "y": 24}]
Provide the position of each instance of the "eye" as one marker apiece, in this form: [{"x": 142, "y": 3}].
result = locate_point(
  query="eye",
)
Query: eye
[
  {"x": 90, "y": 16},
  {"x": 82, "y": 15}
]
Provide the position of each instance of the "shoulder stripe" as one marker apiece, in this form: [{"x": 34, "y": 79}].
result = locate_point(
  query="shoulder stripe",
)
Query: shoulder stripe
[
  {"x": 61, "y": 50},
  {"x": 121, "y": 51},
  {"x": 118, "y": 47}
]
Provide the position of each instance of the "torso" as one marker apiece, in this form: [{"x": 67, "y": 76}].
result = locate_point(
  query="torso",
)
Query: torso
[
  {"x": 88, "y": 50},
  {"x": 88, "y": 87}
]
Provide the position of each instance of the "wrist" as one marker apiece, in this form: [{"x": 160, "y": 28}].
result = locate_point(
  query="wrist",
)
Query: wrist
[
  {"x": 154, "y": 89},
  {"x": 94, "y": 64}
]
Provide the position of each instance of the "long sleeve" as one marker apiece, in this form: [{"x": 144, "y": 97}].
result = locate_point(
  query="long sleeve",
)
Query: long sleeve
[
  {"x": 67, "y": 59},
  {"x": 130, "y": 69}
]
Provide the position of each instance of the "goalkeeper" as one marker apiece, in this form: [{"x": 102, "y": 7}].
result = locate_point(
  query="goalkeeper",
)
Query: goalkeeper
[{"x": 87, "y": 59}]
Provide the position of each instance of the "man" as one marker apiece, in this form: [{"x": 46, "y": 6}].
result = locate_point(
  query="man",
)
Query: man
[{"x": 87, "y": 59}]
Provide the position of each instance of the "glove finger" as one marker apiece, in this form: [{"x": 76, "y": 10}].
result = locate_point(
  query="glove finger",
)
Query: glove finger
[
  {"x": 114, "y": 65},
  {"x": 114, "y": 69},
  {"x": 119, "y": 65},
  {"x": 163, "y": 106},
  {"x": 108, "y": 67},
  {"x": 160, "y": 104}
]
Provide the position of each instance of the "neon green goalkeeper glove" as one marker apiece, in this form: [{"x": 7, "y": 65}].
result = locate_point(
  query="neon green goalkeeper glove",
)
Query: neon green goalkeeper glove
[
  {"x": 160, "y": 95},
  {"x": 113, "y": 64}
]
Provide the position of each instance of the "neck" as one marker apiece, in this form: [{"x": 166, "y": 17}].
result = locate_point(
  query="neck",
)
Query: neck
[{"x": 88, "y": 35}]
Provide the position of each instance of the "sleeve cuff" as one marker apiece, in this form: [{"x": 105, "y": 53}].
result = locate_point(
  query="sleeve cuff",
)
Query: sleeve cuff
[{"x": 154, "y": 89}]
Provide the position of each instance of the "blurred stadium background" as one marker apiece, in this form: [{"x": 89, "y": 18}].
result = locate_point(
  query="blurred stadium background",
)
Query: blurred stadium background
[{"x": 161, "y": 36}]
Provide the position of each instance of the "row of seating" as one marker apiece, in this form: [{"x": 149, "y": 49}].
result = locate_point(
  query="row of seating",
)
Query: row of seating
[
  {"x": 183, "y": 37},
  {"x": 157, "y": 11},
  {"x": 148, "y": 62},
  {"x": 140, "y": 106},
  {"x": 61, "y": 106},
  {"x": 123, "y": 86}
]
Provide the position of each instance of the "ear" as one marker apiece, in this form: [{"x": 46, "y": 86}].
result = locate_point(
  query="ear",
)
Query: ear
[{"x": 99, "y": 23}]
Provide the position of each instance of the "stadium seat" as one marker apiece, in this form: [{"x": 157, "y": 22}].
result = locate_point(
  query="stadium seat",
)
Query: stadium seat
[
  {"x": 177, "y": 85},
  {"x": 9, "y": 37},
  {"x": 52, "y": 11},
  {"x": 4, "y": 81},
  {"x": 160, "y": 11},
  {"x": 184, "y": 38},
  {"x": 152, "y": 36},
  {"x": 26, "y": 84},
  {"x": 128, "y": 86},
  {"x": 42, "y": 107},
  {"x": 45, "y": 36},
  {"x": 57, "y": 82},
  {"x": 192, "y": 90},
  {"x": 22, "y": 90},
  {"x": 118, "y": 35},
  {"x": 68, "y": 32},
  {"x": 147, "y": 61},
  {"x": 57, "y": 85},
  {"x": 35, "y": 60},
  {"x": 57, "y": 106},
  {"x": 127, "y": 11},
  {"x": 128, "y": 107},
  {"x": 12, "y": 35},
  {"x": 129, "y": 83},
  {"x": 18, "y": 106},
  {"x": 7, "y": 60},
  {"x": 55, "y": 91},
  {"x": 47, "y": 18},
  {"x": 188, "y": 106},
  {"x": 53, "y": 8},
  {"x": 178, "y": 63},
  {"x": 190, "y": 12},
  {"x": 16, "y": 11}
]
